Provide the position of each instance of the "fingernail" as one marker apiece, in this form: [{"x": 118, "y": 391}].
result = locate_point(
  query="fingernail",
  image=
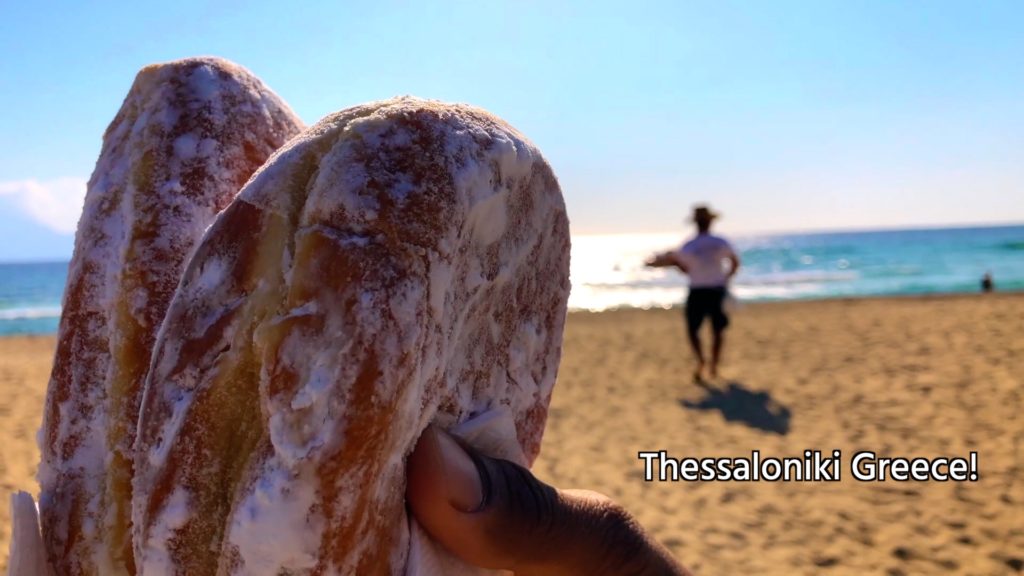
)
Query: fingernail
[{"x": 462, "y": 478}]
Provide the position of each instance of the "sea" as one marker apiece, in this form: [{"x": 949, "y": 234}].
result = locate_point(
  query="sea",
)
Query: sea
[{"x": 607, "y": 271}]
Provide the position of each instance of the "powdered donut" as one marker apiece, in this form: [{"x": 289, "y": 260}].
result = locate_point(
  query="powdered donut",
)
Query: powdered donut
[
  {"x": 399, "y": 263},
  {"x": 187, "y": 137}
]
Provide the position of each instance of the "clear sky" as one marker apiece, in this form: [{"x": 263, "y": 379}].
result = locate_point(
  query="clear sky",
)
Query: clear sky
[{"x": 784, "y": 115}]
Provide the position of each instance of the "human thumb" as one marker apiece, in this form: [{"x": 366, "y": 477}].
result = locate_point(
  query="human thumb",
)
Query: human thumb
[{"x": 493, "y": 513}]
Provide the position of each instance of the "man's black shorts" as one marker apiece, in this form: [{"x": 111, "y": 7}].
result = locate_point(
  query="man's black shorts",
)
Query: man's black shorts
[{"x": 704, "y": 302}]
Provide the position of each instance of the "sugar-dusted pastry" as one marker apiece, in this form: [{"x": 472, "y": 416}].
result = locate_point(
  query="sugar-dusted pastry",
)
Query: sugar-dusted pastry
[
  {"x": 187, "y": 137},
  {"x": 400, "y": 263}
]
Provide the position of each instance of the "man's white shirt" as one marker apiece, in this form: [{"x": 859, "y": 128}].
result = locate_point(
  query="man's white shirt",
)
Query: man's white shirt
[{"x": 706, "y": 260}]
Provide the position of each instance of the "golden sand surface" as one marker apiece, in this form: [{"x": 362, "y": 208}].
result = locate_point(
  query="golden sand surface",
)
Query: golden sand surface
[
  {"x": 913, "y": 377},
  {"x": 901, "y": 377},
  {"x": 25, "y": 363}
]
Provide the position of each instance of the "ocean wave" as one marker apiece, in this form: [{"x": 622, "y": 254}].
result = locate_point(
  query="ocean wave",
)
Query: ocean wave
[
  {"x": 636, "y": 283},
  {"x": 35, "y": 313},
  {"x": 796, "y": 277},
  {"x": 755, "y": 293},
  {"x": 1011, "y": 246}
]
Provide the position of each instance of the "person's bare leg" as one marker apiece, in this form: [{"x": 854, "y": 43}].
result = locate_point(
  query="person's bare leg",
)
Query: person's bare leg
[
  {"x": 716, "y": 350},
  {"x": 698, "y": 353}
]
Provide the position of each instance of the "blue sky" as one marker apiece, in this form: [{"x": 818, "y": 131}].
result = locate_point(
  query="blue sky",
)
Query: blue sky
[{"x": 784, "y": 115}]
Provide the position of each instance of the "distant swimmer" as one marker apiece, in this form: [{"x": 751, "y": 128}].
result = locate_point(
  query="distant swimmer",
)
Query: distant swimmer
[
  {"x": 710, "y": 262},
  {"x": 987, "y": 284}
]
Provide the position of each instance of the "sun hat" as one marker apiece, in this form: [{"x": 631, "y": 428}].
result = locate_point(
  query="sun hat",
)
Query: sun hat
[{"x": 702, "y": 213}]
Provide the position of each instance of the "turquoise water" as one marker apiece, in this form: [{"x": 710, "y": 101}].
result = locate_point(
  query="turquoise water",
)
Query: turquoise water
[
  {"x": 890, "y": 262},
  {"x": 30, "y": 297},
  {"x": 608, "y": 271}
]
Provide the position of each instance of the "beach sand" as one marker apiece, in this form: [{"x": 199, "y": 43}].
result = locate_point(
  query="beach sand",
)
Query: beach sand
[{"x": 908, "y": 377}]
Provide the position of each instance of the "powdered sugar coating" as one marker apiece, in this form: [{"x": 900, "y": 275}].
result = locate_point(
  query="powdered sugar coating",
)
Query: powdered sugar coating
[
  {"x": 400, "y": 263},
  {"x": 187, "y": 137}
]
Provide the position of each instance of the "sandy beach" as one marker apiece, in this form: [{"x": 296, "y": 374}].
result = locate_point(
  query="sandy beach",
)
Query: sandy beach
[{"x": 909, "y": 377}]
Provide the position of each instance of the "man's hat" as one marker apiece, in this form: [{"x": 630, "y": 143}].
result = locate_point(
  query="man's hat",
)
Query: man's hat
[{"x": 701, "y": 213}]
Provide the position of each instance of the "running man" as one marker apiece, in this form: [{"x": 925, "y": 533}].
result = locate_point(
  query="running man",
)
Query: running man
[{"x": 710, "y": 262}]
